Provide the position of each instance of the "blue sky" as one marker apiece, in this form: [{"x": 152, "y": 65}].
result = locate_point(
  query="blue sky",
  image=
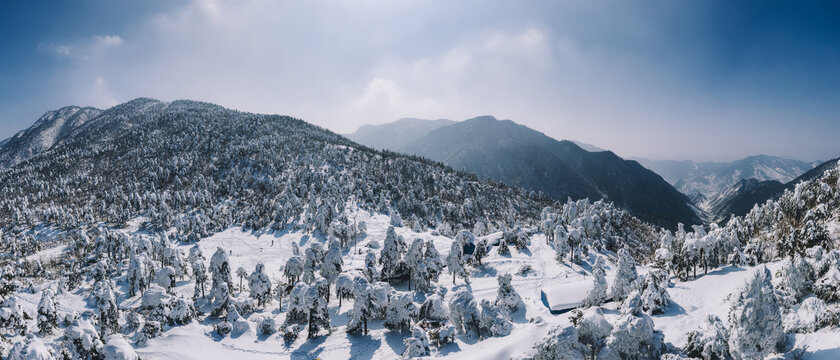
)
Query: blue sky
[{"x": 711, "y": 80}]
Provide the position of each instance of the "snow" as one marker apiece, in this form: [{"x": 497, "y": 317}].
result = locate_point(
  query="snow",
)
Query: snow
[
  {"x": 566, "y": 296},
  {"x": 564, "y": 287}
]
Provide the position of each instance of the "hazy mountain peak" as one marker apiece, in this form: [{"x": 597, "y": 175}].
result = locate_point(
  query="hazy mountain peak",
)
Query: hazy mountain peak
[
  {"x": 395, "y": 134},
  {"x": 48, "y": 130}
]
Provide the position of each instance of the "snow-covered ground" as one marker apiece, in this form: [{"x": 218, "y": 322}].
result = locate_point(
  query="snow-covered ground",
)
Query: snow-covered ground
[{"x": 692, "y": 301}]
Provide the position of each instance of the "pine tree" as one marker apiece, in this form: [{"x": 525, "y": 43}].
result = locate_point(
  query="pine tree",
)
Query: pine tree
[
  {"x": 220, "y": 271},
  {"x": 312, "y": 259},
  {"x": 200, "y": 275},
  {"x": 319, "y": 316},
  {"x": 434, "y": 263},
  {"x": 298, "y": 308},
  {"x": 709, "y": 340},
  {"x": 755, "y": 321},
  {"x": 399, "y": 312},
  {"x": 136, "y": 276},
  {"x": 106, "y": 307},
  {"x": 332, "y": 264},
  {"x": 413, "y": 261},
  {"x": 362, "y": 307},
  {"x": 391, "y": 256},
  {"x": 242, "y": 274},
  {"x": 493, "y": 322},
  {"x": 633, "y": 335},
  {"x": 416, "y": 345},
  {"x": 655, "y": 297},
  {"x": 344, "y": 287},
  {"x": 455, "y": 261},
  {"x": 593, "y": 329},
  {"x": 293, "y": 269},
  {"x": 625, "y": 277},
  {"x": 463, "y": 311},
  {"x": 507, "y": 298},
  {"x": 47, "y": 317},
  {"x": 260, "y": 285},
  {"x": 598, "y": 294},
  {"x": 479, "y": 253}
]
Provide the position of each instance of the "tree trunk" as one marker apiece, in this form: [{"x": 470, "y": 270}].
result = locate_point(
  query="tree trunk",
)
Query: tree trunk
[{"x": 310, "y": 324}]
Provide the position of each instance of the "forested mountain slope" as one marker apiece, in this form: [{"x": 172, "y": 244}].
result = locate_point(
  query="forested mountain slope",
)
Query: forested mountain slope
[{"x": 519, "y": 156}]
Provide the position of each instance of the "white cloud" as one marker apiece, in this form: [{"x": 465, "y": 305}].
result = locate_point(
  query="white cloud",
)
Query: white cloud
[
  {"x": 341, "y": 64},
  {"x": 108, "y": 40},
  {"x": 86, "y": 49}
]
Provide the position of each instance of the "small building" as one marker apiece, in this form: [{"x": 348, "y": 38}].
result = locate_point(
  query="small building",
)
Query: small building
[{"x": 563, "y": 297}]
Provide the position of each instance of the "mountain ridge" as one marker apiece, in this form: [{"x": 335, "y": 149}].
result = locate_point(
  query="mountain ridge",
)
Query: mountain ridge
[{"x": 516, "y": 155}]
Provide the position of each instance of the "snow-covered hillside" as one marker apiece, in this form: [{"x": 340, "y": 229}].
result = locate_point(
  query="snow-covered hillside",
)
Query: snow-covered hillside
[
  {"x": 46, "y": 132},
  {"x": 691, "y": 301},
  {"x": 185, "y": 230}
]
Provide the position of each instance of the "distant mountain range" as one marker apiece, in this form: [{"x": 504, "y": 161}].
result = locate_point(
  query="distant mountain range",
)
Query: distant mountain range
[
  {"x": 517, "y": 155},
  {"x": 740, "y": 198},
  {"x": 704, "y": 180}
]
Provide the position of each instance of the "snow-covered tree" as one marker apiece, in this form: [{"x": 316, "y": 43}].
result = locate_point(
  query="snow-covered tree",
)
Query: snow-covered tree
[
  {"x": 298, "y": 308},
  {"x": 344, "y": 287},
  {"x": 370, "y": 271},
  {"x": 415, "y": 263},
  {"x": 655, "y": 297},
  {"x": 434, "y": 310},
  {"x": 507, "y": 299},
  {"x": 503, "y": 248},
  {"x": 625, "y": 277},
  {"x": 396, "y": 219},
  {"x": 165, "y": 277},
  {"x": 434, "y": 264},
  {"x": 492, "y": 321},
  {"x": 417, "y": 345},
  {"x": 312, "y": 259},
  {"x": 561, "y": 342},
  {"x": 391, "y": 256},
  {"x": 709, "y": 341},
  {"x": 267, "y": 326},
  {"x": 755, "y": 321},
  {"x": 455, "y": 261},
  {"x": 633, "y": 334},
  {"x": 12, "y": 317},
  {"x": 593, "y": 329},
  {"x": 293, "y": 269},
  {"x": 319, "y": 316},
  {"x": 136, "y": 276},
  {"x": 220, "y": 299},
  {"x": 220, "y": 272},
  {"x": 399, "y": 312},
  {"x": 241, "y": 273},
  {"x": 47, "y": 316},
  {"x": 182, "y": 311},
  {"x": 598, "y": 294},
  {"x": 200, "y": 276},
  {"x": 793, "y": 280},
  {"x": 481, "y": 251},
  {"x": 363, "y": 306},
  {"x": 260, "y": 285},
  {"x": 463, "y": 311},
  {"x": 106, "y": 307},
  {"x": 332, "y": 264}
]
